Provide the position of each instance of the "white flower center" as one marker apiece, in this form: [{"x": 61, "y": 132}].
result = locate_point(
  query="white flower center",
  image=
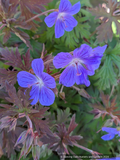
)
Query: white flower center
[
  {"x": 75, "y": 62},
  {"x": 40, "y": 82},
  {"x": 61, "y": 15}
]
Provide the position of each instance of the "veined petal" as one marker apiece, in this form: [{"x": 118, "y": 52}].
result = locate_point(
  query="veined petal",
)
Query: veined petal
[
  {"x": 34, "y": 94},
  {"x": 95, "y": 66},
  {"x": 98, "y": 51},
  {"x": 75, "y": 8},
  {"x": 38, "y": 66},
  {"x": 82, "y": 52},
  {"x": 82, "y": 77},
  {"x": 46, "y": 96},
  {"x": 48, "y": 80},
  {"x": 69, "y": 22},
  {"x": 91, "y": 60},
  {"x": 62, "y": 59},
  {"x": 59, "y": 30},
  {"x": 108, "y": 137},
  {"x": 51, "y": 19},
  {"x": 68, "y": 76},
  {"x": 89, "y": 69},
  {"x": 64, "y": 6},
  {"x": 110, "y": 130},
  {"x": 92, "y": 64},
  {"x": 26, "y": 79}
]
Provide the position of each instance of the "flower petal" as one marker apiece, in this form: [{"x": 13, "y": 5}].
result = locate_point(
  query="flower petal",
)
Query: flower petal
[
  {"x": 59, "y": 30},
  {"x": 46, "y": 96},
  {"x": 95, "y": 60},
  {"x": 26, "y": 79},
  {"x": 81, "y": 77},
  {"x": 48, "y": 80},
  {"x": 110, "y": 130},
  {"x": 90, "y": 70},
  {"x": 69, "y": 22},
  {"x": 82, "y": 52},
  {"x": 108, "y": 137},
  {"x": 75, "y": 8},
  {"x": 38, "y": 66},
  {"x": 51, "y": 18},
  {"x": 34, "y": 94},
  {"x": 99, "y": 51},
  {"x": 64, "y": 6},
  {"x": 68, "y": 76},
  {"x": 62, "y": 59}
]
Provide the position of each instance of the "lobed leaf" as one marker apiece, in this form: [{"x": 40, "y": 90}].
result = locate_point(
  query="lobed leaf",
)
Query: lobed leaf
[
  {"x": 15, "y": 60},
  {"x": 108, "y": 73},
  {"x": 28, "y": 8},
  {"x": 107, "y": 15}
]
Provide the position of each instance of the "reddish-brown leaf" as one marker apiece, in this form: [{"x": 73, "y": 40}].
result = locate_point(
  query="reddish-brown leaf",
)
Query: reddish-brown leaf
[
  {"x": 23, "y": 36},
  {"x": 113, "y": 102},
  {"x": 98, "y": 106},
  {"x": 7, "y": 34},
  {"x": 105, "y": 99},
  {"x": 10, "y": 76},
  {"x": 72, "y": 125},
  {"x": 107, "y": 15},
  {"x": 30, "y": 6},
  {"x": 15, "y": 60},
  {"x": 40, "y": 125}
]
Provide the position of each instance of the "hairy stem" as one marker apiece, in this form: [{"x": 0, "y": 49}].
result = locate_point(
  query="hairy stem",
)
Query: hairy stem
[
  {"x": 47, "y": 62},
  {"x": 113, "y": 87},
  {"x": 36, "y": 16},
  {"x": 42, "y": 54},
  {"x": 94, "y": 153},
  {"x": 61, "y": 89},
  {"x": 76, "y": 88},
  {"x": 29, "y": 121}
]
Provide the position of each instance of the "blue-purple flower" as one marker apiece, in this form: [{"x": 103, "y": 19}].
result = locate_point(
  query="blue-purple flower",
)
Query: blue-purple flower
[
  {"x": 111, "y": 133},
  {"x": 63, "y": 18},
  {"x": 41, "y": 83},
  {"x": 78, "y": 66},
  {"x": 115, "y": 158}
]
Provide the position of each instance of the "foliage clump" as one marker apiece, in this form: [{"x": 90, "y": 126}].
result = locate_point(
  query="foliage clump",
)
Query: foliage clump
[{"x": 59, "y": 79}]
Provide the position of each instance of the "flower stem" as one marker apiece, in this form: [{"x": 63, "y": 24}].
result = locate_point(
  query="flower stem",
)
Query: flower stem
[
  {"x": 76, "y": 88},
  {"x": 61, "y": 89},
  {"x": 36, "y": 16},
  {"x": 84, "y": 148},
  {"x": 42, "y": 54},
  {"x": 29, "y": 121},
  {"x": 47, "y": 62},
  {"x": 113, "y": 87},
  {"x": 94, "y": 153}
]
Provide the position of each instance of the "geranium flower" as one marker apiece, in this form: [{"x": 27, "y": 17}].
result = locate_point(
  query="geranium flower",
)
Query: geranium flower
[
  {"x": 111, "y": 133},
  {"x": 63, "y": 18},
  {"x": 115, "y": 158},
  {"x": 41, "y": 83},
  {"x": 82, "y": 63}
]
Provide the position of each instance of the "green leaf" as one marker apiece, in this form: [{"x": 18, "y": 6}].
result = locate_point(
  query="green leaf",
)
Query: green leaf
[
  {"x": 109, "y": 72},
  {"x": 86, "y": 3},
  {"x": 63, "y": 116}
]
